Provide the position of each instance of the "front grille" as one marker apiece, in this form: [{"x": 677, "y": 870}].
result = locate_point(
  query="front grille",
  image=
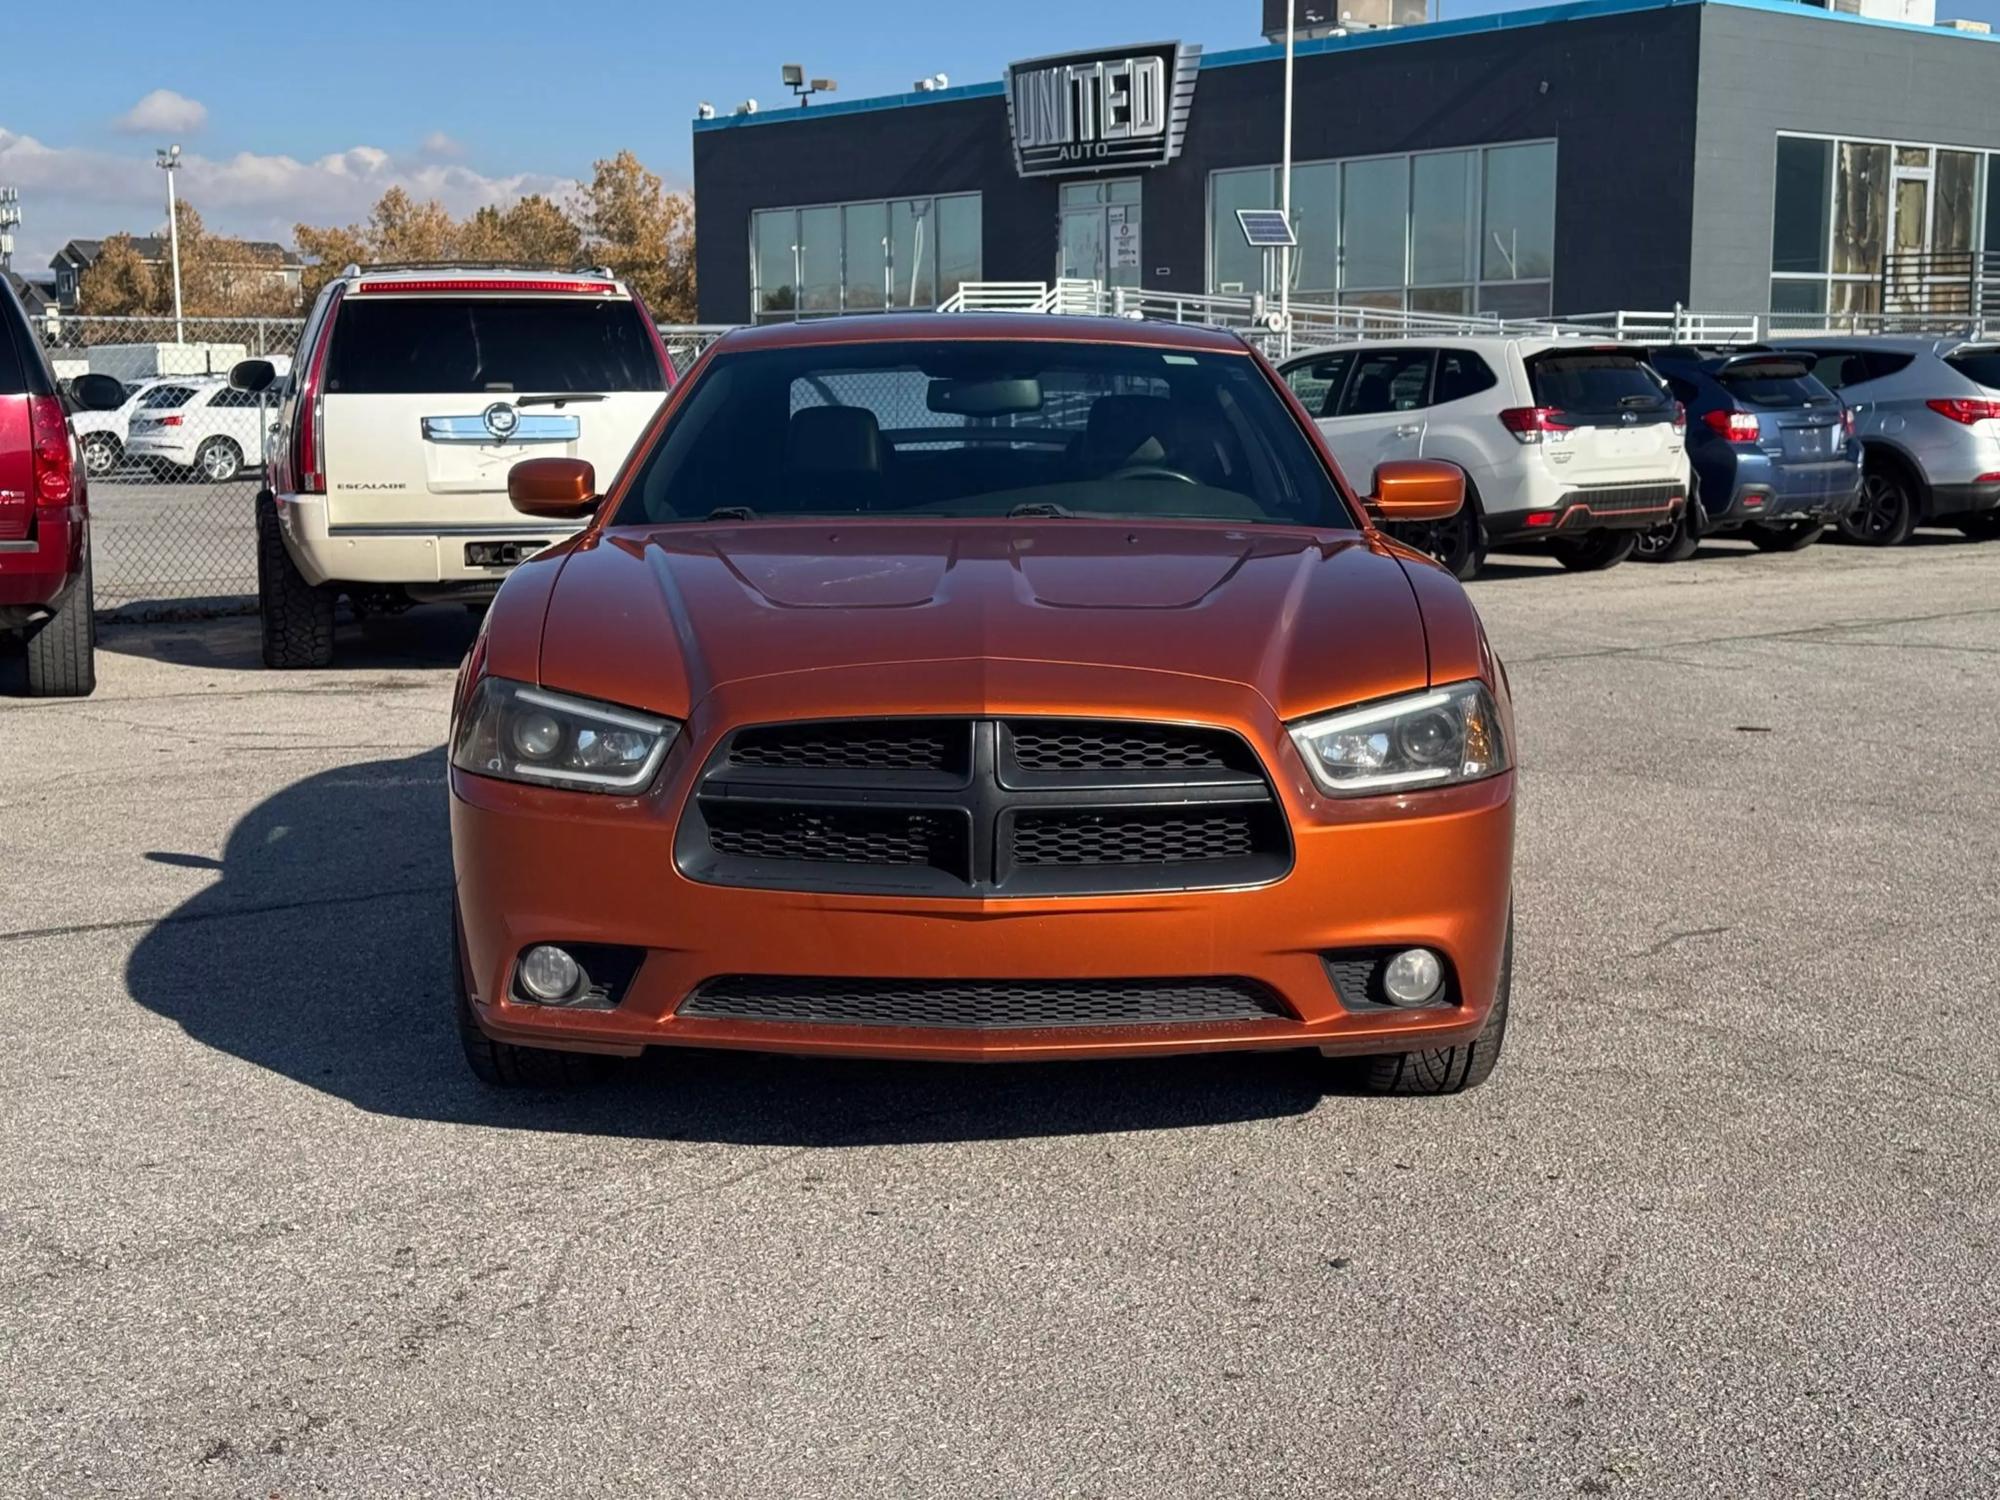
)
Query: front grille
[
  {"x": 983, "y": 807},
  {"x": 831, "y": 835},
  {"x": 1057, "y": 745},
  {"x": 1623, "y": 499},
  {"x": 1133, "y": 838},
  {"x": 986, "y": 1004}
]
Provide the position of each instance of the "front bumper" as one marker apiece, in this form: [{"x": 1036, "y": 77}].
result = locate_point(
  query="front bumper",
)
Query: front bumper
[
  {"x": 536, "y": 865},
  {"x": 409, "y": 553}
]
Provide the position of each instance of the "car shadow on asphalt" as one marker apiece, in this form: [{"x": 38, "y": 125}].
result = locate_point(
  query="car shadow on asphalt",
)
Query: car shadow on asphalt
[
  {"x": 322, "y": 954},
  {"x": 430, "y": 636}
]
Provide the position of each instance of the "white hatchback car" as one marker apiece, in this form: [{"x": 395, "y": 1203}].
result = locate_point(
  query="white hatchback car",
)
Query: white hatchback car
[
  {"x": 196, "y": 428},
  {"x": 413, "y": 391},
  {"x": 1574, "y": 445}
]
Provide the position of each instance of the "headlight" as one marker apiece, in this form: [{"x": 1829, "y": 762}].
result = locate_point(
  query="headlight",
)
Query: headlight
[
  {"x": 522, "y": 733},
  {"x": 1447, "y": 735}
]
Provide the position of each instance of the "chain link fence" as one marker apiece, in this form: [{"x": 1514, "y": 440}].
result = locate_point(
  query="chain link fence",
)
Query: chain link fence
[{"x": 174, "y": 472}]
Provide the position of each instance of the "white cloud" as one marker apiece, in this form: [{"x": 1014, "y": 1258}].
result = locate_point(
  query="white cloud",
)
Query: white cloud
[
  {"x": 163, "y": 110},
  {"x": 74, "y": 192},
  {"x": 437, "y": 143}
]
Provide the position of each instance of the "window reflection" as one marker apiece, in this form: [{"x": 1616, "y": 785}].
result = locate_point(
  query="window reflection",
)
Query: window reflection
[{"x": 863, "y": 257}]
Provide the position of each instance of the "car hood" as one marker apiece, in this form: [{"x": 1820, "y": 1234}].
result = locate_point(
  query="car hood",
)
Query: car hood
[{"x": 659, "y": 618}]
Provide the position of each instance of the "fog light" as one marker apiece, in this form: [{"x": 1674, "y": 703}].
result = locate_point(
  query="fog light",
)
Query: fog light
[
  {"x": 1413, "y": 977},
  {"x": 549, "y": 974}
]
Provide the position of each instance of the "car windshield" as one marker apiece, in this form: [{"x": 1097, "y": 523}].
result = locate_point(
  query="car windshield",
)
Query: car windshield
[
  {"x": 407, "y": 346},
  {"x": 984, "y": 428}
]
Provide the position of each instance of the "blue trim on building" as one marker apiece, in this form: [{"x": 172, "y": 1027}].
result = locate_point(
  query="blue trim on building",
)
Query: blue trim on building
[{"x": 1541, "y": 15}]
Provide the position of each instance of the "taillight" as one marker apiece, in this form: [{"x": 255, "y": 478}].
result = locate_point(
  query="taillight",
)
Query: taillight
[
  {"x": 1959, "y": 409},
  {"x": 1847, "y": 420},
  {"x": 173, "y": 421},
  {"x": 1736, "y": 426},
  {"x": 1530, "y": 423},
  {"x": 48, "y": 437},
  {"x": 1680, "y": 419},
  {"x": 309, "y": 452}
]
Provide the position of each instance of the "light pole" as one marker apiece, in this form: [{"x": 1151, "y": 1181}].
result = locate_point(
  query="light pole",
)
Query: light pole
[
  {"x": 1285, "y": 185},
  {"x": 168, "y": 160}
]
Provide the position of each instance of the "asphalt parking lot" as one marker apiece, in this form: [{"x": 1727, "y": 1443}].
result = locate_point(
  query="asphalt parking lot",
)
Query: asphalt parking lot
[
  {"x": 1723, "y": 1223},
  {"x": 160, "y": 540}
]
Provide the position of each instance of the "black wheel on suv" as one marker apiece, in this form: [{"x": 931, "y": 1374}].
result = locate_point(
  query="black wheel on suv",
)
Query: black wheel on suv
[
  {"x": 1459, "y": 544},
  {"x": 1594, "y": 551},
  {"x": 62, "y": 651},
  {"x": 1675, "y": 542},
  {"x": 1444, "y": 1070},
  {"x": 296, "y": 616},
  {"x": 503, "y": 1065},
  {"x": 1984, "y": 527},
  {"x": 1887, "y": 513},
  {"x": 1783, "y": 538}
]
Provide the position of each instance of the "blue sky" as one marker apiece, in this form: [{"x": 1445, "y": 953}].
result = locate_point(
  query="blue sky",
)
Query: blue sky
[{"x": 286, "y": 113}]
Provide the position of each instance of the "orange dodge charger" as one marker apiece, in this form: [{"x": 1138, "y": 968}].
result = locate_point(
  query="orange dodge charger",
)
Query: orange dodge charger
[{"x": 983, "y": 688}]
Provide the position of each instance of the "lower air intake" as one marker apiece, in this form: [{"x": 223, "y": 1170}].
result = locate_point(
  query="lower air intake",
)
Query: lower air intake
[{"x": 995, "y": 1004}]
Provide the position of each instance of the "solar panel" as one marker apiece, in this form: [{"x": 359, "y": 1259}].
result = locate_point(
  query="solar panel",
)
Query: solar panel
[{"x": 1266, "y": 228}]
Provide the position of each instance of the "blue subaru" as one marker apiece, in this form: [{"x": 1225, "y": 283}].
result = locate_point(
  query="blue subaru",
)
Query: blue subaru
[{"x": 1773, "y": 451}]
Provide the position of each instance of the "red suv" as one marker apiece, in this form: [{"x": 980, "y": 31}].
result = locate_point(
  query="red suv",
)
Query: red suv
[{"x": 44, "y": 520}]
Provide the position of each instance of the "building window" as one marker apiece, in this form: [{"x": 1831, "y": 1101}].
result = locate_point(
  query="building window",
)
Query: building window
[
  {"x": 1448, "y": 232},
  {"x": 1849, "y": 216},
  {"x": 862, "y": 257}
]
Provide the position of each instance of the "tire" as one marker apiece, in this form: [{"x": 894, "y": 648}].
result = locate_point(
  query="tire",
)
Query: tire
[
  {"x": 1594, "y": 551},
  {"x": 1887, "y": 513},
  {"x": 1459, "y": 544},
  {"x": 218, "y": 461},
  {"x": 1444, "y": 1070},
  {"x": 62, "y": 652},
  {"x": 101, "y": 452},
  {"x": 296, "y": 617},
  {"x": 1783, "y": 538},
  {"x": 1675, "y": 542},
  {"x": 1984, "y": 527},
  {"x": 503, "y": 1065}
]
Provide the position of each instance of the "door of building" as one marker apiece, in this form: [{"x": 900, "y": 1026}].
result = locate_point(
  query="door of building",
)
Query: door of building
[
  {"x": 1909, "y": 227},
  {"x": 1099, "y": 238}
]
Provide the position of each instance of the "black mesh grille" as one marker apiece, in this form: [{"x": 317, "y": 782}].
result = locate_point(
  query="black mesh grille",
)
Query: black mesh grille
[
  {"x": 1133, "y": 838},
  {"x": 866, "y": 836},
  {"x": 1089, "y": 745},
  {"x": 981, "y": 1003},
  {"x": 865, "y": 745}
]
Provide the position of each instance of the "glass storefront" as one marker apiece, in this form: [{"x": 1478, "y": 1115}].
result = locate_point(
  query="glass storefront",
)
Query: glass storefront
[
  {"x": 1849, "y": 216},
  {"x": 1434, "y": 231},
  {"x": 863, "y": 257}
]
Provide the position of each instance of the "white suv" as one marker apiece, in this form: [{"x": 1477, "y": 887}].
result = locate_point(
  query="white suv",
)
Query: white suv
[
  {"x": 1574, "y": 445},
  {"x": 414, "y": 390},
  {"x": 197, "y": 428}
]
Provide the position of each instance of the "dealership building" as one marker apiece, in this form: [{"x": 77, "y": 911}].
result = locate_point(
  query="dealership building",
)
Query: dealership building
[{"x": 1740, "y": 155}]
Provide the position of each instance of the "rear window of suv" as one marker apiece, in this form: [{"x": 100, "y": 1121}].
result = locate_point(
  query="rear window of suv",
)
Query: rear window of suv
[
  {"x": 398, "y": 346},
  {"x": 165, "y": 395},
  {"x": 1774, "y": 382},
  {"x": 1596, "y": 384},
  {"x": 1979, "y": 365}
]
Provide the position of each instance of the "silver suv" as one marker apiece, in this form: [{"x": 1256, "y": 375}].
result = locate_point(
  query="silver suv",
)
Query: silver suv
[{"x": 1928, "y": 413}]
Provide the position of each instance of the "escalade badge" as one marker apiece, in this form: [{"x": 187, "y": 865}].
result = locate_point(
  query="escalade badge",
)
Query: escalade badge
[{"x": 501, "y": 420}]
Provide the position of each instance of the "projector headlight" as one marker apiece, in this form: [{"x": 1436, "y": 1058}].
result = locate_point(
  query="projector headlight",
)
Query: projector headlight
[
  {"x": 1436, "y": 738},
  {"x": 522, "y": 733}
]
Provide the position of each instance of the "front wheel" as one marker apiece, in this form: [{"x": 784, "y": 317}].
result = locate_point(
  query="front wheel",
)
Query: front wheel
[
  {"x": 1445, "y": 1070},
  {"x": 1766, "y": 538},
  {"x": 100, "y": 454},
  {"x": 1594, "y": 551},
  {"x": 1887, "y": 513},
  {"x": 62, "y": 652}
]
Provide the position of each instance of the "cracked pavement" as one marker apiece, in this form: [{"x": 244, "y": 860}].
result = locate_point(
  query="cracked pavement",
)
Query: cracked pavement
[{"x": 1723, "y": 1223}]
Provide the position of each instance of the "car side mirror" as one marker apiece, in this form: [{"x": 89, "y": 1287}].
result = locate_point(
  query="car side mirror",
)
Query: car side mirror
[
  {"x": 1416, "y": 489},
  {"x": 97, "y": 392},
  {"x": 252, "y": 375},
  {"x": 553, "y": 489}
]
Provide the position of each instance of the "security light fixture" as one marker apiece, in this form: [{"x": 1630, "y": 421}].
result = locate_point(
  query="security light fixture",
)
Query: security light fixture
[
  {"x": 704, "y": 111},
  {"x": 933, "y": 83},
  {"x": 747, "y": 107},
  {"x": 794, "y": 76}
]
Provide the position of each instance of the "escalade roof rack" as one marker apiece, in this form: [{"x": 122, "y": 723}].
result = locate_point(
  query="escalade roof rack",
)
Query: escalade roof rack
[{"x": 454, "y": 264}]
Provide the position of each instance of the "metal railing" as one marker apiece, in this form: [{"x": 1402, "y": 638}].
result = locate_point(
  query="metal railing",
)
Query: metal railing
[{"x": 1963, "y": 285}]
